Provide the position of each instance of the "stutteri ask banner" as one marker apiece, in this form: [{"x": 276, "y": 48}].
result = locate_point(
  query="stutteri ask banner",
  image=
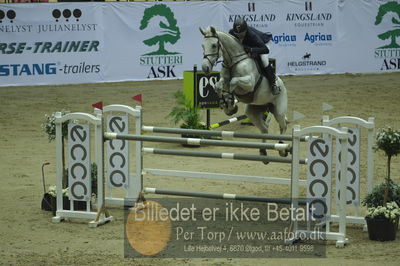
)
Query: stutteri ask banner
[
  {"x": 63, "y": 43},
  {"x": 155, "y": 41}
]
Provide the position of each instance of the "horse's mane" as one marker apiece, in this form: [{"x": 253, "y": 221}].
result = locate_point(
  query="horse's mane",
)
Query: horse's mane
[
  {"x": 224, "y": 33},
  {"x": 227, "y": 34}
]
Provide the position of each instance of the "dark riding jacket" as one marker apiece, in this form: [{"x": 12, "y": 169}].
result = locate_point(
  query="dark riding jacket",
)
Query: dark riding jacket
[{"x": 254, "y": 41}]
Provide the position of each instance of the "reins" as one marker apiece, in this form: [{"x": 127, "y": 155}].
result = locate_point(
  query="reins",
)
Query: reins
[{"x": 231, "y": 57}]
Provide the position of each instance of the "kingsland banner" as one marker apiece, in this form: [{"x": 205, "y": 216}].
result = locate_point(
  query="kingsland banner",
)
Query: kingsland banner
[{"x": 64, "y": 43}]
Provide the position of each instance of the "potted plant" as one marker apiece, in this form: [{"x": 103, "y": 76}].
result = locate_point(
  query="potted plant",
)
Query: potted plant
[
  {"x": 187, "y": 114},
  {"x": 49, "y": 201},
  {"x": 384, "y": 200},
  {"x": 382, "y": 221},
  {"x": 53, "y": 199}
]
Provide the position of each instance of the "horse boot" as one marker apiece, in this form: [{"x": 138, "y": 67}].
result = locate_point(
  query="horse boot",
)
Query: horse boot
[
  {"x": 269, "y": 74},
  {"x": 227, "y": 102}
]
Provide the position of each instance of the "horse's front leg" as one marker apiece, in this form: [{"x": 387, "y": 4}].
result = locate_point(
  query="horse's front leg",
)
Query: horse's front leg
[
  {"x": 222, "y": 88},
  {"x": 242, "y": 85},
  {"x": 223, "y": 83}
]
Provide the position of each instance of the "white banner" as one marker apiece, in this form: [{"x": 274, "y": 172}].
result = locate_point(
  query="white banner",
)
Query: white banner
[
  {"x": 61, "y": 43},
  {"x": 51, "y": 44}
]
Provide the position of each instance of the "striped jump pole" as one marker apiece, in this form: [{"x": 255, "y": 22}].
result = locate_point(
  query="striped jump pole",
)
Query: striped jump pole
[
  {"x": 222, "y": 155},
  {"x": 228, "y": 121},
  {"x": 222, "y": 134},
  {"x": 226, "y": 196},
  {"x": 197, "y": 141}
]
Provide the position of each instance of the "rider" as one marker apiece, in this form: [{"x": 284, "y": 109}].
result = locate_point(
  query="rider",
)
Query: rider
[{"x": 253, "y": 43}]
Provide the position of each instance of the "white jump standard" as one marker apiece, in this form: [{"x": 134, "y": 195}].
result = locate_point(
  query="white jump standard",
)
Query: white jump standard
[
  {"x": 79, "y": 168},
  {"x": 354, "y": 176}
]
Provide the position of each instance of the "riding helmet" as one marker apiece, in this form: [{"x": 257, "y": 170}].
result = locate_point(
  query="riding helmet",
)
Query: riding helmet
[{"x": 239, "y": 25}]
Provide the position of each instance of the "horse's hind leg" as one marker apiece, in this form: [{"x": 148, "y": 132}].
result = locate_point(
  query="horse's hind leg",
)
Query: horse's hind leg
[
  {"x": 256, "y": 115},
  {"x": 282, "y": 122}
]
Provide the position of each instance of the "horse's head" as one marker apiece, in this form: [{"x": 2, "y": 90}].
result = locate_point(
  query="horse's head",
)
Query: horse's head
[{"x": 211, "y": 49}]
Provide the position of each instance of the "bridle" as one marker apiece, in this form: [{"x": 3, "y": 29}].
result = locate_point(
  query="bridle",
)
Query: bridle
[
  {"x": 220, "y": 47},
  {"x": 213, "y": 54}
]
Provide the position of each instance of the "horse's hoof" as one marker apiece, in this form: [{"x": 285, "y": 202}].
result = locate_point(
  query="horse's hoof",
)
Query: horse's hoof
[
  {"x": 264, "y": 153},
  {"x": 233, "y": 111},
  {"x": 283, "y": 153}
]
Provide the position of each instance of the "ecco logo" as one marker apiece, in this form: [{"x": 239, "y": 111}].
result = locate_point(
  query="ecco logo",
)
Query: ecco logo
[
  {"x": 10, "y": 15},
  {"x": 66, "y": 13}
]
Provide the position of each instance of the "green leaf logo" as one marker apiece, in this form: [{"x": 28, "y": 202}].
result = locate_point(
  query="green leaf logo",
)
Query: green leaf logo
[
  {"x": 389, "y": 9},
  {"x": 169, "y": 32}
]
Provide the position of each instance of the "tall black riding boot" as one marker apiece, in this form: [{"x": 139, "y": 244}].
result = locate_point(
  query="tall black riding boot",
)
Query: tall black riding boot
[{"x": 269, "y": 74}]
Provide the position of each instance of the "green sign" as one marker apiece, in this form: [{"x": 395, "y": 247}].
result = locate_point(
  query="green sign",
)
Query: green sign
[{"x": 199, "y": 89}]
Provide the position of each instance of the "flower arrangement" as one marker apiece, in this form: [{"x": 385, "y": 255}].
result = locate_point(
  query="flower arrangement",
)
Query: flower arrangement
[
  {"x": 388, "y": 140},
  {"x": 49, "y": 126},
  {"x": 376, "y": 197},
  {"x": 53, "y": 192},
  {"x": 389, "y": 211}
]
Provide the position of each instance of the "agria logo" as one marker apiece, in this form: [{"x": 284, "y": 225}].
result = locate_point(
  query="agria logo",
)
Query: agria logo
[
  {"x": 161, "y": 61},
  {"x": 390, "y": 52}
]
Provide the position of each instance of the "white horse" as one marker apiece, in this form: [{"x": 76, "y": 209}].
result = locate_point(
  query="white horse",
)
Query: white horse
[{"x": 240, "y": 77}]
